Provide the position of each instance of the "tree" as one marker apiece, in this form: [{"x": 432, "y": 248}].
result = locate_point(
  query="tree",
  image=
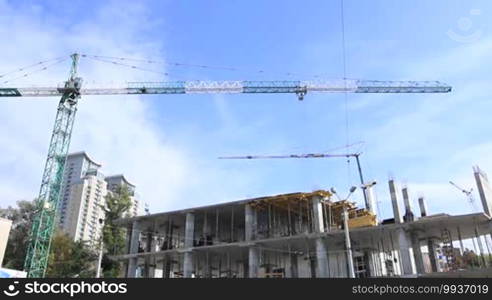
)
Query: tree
[
  {"x": 470, "y": 259},
  {"x": 70, "y": 259},
  {"x": 114, "y": 236},
  {"x": 21, "y": 217},
  {"x": 67, "y": 258}
]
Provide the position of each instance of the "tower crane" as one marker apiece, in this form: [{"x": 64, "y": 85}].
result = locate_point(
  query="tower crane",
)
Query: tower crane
[
  {"x": 468, "y": 194},
  {"x": 309, "y": 155},
  {"x": 72, "y": 90}
]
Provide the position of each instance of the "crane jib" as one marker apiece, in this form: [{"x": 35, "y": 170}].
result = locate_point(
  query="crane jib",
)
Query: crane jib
[
  {"x": 234, "y": 87},
  {"x": 9, "y": 92}
]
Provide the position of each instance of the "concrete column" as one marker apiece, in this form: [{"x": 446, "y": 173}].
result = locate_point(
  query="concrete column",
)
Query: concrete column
[
  {"x": 369, "y": 192},
  {"x": 253, "y": 262},
  {"x": 417, "y": 254},
  {"x": 134, "y": 239},
  {"x": 408, "y": 217},
  {"x": 250, "y": 223},
  {"x": 132, "y": 268},
  {"x": 188, "y": 264},
  {"x": 317, "y": 206},
  {"x": 405, "y": 256},
  {"x": 423, "y": 207},
  {"x": 462, "y": 248},
  {"x": 348, "y": 245},
  {"x": 151, "y": 270},
  {"x": 189, "y": 230},
  {"x": 294, "y": 268},
  {"x": 431, "y": 246},
  {"x": 321, "y": 259},
  {"x": 394, "y": 202},
  {"x": 480, "y": 247},
  {"x": 189, "y": 238},
  {"x": 484, "y": 190},
  {"x": 167, "y": 266},
  {"x": 372, "y": 265},
  {"x": 207, "y": 228}
]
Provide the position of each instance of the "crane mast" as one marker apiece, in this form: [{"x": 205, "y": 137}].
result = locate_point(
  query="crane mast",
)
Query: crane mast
[
  {"x": 71, "y": 91},
  {"x": 47, "y": 201}
]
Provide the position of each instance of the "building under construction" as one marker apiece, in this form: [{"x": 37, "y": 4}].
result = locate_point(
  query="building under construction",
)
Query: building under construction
[{"x": 306, "y": 235}]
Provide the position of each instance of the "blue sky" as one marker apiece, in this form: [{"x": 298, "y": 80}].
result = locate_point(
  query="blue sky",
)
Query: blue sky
[{"x": 168, "y": 145}]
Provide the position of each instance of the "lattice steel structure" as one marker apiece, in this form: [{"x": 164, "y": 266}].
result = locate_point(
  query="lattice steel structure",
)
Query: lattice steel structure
[
  {"x": 47, "y": 201},
  {"x": 246, "y": 87}
]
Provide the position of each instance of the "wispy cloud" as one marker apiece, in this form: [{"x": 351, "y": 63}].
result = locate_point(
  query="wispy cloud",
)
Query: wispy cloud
[{"x": 116, "y": 131}]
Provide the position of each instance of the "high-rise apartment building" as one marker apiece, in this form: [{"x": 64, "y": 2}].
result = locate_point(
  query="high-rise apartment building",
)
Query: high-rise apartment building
[
  {"x": 82, "y": 198},
  {"x": 82, "y": 202},
  {"x": 116, "y": 181}
]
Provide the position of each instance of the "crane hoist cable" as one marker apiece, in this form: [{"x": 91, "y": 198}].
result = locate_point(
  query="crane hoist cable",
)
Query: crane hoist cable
[
  {"x": 345, "y": 96},
  {"x": 203, "y": 66},
  {"x": 127, "y": 65},
  {"x": 33, "y": 65}
]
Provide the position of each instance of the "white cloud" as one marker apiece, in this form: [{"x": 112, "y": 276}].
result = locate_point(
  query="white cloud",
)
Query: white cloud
[
  {"x": 427, "y": 141},
  {"x": 121, "y": 132},
  {"x": 113, "y": 130}
]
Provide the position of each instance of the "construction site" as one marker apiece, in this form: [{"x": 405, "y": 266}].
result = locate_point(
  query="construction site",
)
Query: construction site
[
  {"x": 309, "y": 235},
  {"x": 317, "y": 232}
]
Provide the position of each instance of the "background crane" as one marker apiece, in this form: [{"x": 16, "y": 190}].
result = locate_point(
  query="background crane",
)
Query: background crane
[
  {"x": 309, "y": 155},
  {"x": 71, "y": 91},
  {"x": 469, "y": 195}
]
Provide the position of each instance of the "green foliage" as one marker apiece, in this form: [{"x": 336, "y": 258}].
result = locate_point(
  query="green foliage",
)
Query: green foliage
[
  {"x": 21, "y": 217},
  {"x": 117, "y": 205},
  {"x": 67, "y": 258},
  {"x": 70, "y": 259}
]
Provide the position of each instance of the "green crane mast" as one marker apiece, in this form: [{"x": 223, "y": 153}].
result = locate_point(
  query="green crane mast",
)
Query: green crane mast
[{"x": 47, "y": 201}]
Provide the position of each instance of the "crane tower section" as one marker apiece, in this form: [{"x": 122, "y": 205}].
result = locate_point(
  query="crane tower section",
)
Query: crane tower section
[{"x": 47, "y": 201}]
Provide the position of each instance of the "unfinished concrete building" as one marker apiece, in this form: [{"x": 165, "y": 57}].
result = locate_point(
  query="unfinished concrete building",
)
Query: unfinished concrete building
[{"x": 300, "y": 235}]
